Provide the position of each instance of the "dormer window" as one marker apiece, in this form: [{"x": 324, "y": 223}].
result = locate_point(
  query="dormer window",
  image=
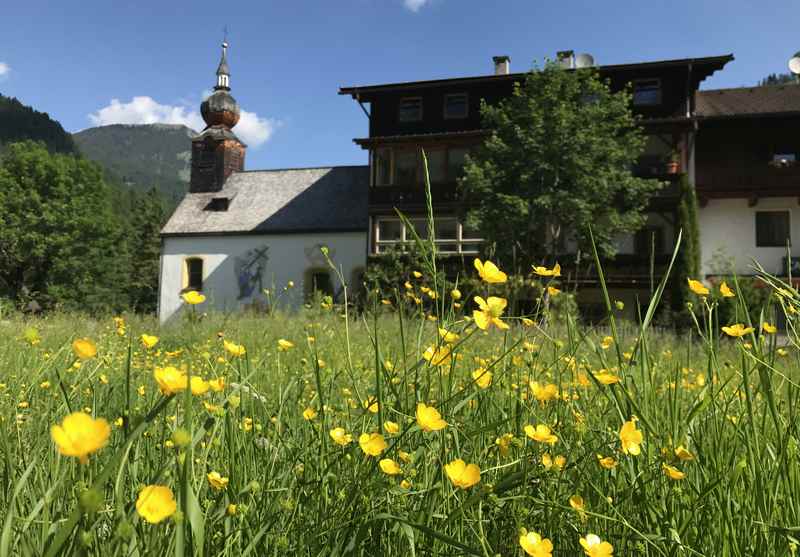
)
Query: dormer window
[
  {"x": 646, "y": 92},
  {"x": 455, "y": 106},
  {"x": 219, "y": 204},
  {"x": 410, "y": 109}
]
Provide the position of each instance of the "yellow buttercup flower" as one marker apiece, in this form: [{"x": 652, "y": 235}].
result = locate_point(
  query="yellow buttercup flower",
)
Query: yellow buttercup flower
[
  {"x": 631, "y": 438},
  {"x": 593, "y": 546},
  {"x": 553, "y": 291},
  {"x": 606, "y": 378},
  {"x": 447, "y": 336},
  {"x": 607, "y": 462},
  {"x": 767, "y": 328},
  {"x": 230, "y": 510},
  {"x": 372, "y": 444},
  {"x": 170, "y": 379},
  {"x": 80, "y": 435},
  {"x": 544, "y": 393},
  {"x": 697, "y": 287},
  {"x": 577, "y": 503},
  {"x": 156, "y": 503},
  {"x": 389, "y": 467},
  {"x": 217, "y": 481},
  {"x": 391, "y": 427},
  {"x": 671, "y": 472},
  {"x": 284, "y": 345},
  {"x": 541, "y": 434},
  {"x": 489, "y": 312},
  {"x": 683, "y": 454},
  {"x": 738, "y": 330},
  {"x": 234, "y": 349},
  {"x": 149, "y": 340},
  {"x": 309, "y": 414},
  {"x": 534, "y": 545},
  {"x": 429, "y": 418},
  {"x": 482, "y": 378},
  {"x": 371, "y": 404},
  {"x": 455, "y": 293},
  {"x": 199, "y": 385},
  {"x": 217, "y": 384},
  {"x": 84, "y": 348},
  {"x": 341, "y": 437},
  {"x": 489, "y": 272},
  {"x": 725, "y": 290},
  {"x": 545, "y": 272},
  {"x": 463, "y": 475},
  {"x": 438, "y": 355},
  {"x": 606, "y": 342},
  {"x": 193, "y": 297},
  {"x": 504, "y": 443}
]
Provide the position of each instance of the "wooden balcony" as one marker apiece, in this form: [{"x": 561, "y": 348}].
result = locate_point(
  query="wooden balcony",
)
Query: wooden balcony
[
  {"x": 748, "y": 181},
  {"x": 412, "y": 196}
]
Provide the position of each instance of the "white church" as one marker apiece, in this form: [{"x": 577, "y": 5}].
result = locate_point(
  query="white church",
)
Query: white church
[{"x": 237, "y": 234}]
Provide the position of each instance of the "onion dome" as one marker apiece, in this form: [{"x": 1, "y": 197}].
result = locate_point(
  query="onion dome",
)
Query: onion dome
[{"x": 221, "y": 109}]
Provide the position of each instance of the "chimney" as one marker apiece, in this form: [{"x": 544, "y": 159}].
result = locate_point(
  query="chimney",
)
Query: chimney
[
  {"x": 502, "y": 65},
  {"x": 566, "y": 59}
]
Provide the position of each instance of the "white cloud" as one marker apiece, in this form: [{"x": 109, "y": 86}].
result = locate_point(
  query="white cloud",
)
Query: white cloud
[
  {"x": 252, "y": 129},
  {"x": 4, "y": 69},
  {"x": 414, "y": 5}
]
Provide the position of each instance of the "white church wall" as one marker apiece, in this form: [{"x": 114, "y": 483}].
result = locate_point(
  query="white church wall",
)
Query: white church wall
[
  {"x": 728, "y": 234},
  {"x": 231, "y": 278}
]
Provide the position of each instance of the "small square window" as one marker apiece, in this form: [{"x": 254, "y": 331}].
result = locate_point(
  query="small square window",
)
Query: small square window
[
  {"x": 647, "y": 92},
  {"x": 772, "y": 229},
  {"x": 455, "y": 106},
  {"x": 321, "y": 282},
  {"x": 410, "y": 109},
  {"x": 456, "y": 157},
  {"x": 390, "y": 230},
  {"x": 437, "y": 170}
]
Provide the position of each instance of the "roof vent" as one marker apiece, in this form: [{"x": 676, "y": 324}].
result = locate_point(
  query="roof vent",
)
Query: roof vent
[
  {"x": 502, "y": 65},
  {"x": 566, "y": 59},
  {"x": 219, "y": 204}
]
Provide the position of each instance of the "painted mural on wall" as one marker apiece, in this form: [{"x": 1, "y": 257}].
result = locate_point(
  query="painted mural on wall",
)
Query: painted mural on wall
[{"x": 249, "y": 268}]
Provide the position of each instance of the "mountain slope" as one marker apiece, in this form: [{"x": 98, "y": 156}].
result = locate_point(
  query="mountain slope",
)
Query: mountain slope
[
  {"x": 142, "y": 156},
  {"x": 19, "y": 123}
]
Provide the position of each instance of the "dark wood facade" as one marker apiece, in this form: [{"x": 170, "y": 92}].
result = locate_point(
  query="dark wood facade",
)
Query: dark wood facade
[{"x": 404, "y": 117}]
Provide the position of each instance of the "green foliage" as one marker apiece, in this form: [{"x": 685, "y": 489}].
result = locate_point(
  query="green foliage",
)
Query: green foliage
[
  {"x": 20, "y": 122},
  {"x": 67, "y": 238},
  {"x": 145, "y": 248},
  {"x": 58, "y": 235},
  {"x": 559, "y": 157},
  {"x": 687, "y": 263}
]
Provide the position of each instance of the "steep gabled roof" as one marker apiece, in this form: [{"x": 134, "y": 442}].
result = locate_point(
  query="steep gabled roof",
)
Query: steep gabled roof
[
  {"x": 329, "y": 199},
  {"x": 748, "y": 102}
]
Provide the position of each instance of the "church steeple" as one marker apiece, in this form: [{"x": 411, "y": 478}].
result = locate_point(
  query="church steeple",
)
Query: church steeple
[
  {"x": 223, "y": 72},
  {"x": 217, "y": 152}
]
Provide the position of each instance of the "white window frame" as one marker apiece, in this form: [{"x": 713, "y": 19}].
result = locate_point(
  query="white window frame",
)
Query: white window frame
[{"x": 466, "y": 246}]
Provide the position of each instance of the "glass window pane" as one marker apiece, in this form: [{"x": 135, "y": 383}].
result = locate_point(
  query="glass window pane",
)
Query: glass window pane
[
  {"x": 772, "y": 229},
  {"x": 382, "y": 162},
  {"x": 410, "y": 109},
  {"x": 647, "y": 92},
  {"x": 447, "y": 248},
  {"x": 390, "y": 230},
  {"x": 455, "y": 106},
  {"x": 436, "y": 165},
  {"x": 467, "y": 247},
  {"x": 405, "y": 168},
  {"x": 421, "y": 227},
  {"x": 446, "y": 229},
  {"x": 455, "y": 162}
]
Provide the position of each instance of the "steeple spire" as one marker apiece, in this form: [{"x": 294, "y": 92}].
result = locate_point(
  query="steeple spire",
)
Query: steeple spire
[{"x": 223, "y": 72}]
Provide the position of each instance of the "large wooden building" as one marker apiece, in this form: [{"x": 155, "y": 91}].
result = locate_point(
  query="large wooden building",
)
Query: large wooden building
[{"x": 238, "y": 233}]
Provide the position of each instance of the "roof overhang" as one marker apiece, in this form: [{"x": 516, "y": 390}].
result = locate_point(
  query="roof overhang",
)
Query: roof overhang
[{"x": 701, "y": 69}]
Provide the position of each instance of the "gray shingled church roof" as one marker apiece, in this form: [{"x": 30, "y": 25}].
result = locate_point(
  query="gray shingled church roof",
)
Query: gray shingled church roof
[{"x": 330, "y": 199}]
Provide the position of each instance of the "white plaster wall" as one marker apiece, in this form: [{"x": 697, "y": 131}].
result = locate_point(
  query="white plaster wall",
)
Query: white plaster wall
[
  {"x": 290, "y": 256},
  {"x": 728, "y": 228}
]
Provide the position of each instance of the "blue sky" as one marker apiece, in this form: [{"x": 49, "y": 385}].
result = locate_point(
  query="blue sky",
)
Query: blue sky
[{"x": 91, "y": 61}]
